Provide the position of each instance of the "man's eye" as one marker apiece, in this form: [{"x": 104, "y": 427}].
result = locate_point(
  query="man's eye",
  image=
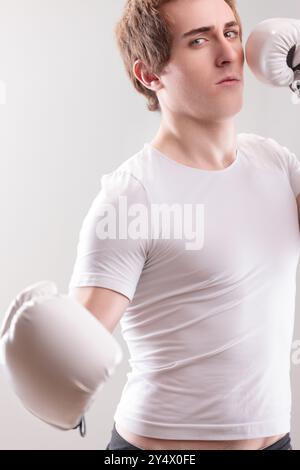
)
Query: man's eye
[{"x": 236, "y": 34}]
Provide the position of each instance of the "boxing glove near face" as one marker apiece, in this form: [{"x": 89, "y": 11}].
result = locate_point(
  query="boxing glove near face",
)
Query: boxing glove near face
[
  {"x": 56, "y": 354},
  {"x": 273, "y": 51}
]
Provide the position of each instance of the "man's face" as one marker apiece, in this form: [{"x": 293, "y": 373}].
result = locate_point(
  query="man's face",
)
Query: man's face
[{"x": 198, "y": 62}]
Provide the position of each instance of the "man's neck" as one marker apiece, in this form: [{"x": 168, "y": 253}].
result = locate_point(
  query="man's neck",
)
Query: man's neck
[{"x": 210, "y": 146}]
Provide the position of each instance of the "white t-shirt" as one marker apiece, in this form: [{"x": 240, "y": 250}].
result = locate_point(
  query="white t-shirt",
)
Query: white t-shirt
[{"x": 208, "y": 330}]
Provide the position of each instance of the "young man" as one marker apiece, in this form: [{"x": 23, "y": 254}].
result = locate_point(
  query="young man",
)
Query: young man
[{"x": 208, "y": 327}]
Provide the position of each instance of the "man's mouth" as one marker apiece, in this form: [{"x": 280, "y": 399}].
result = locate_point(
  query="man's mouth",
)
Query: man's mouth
[
  {"x": 230, "y": 78},
  {"x": 229, "y": 82}
]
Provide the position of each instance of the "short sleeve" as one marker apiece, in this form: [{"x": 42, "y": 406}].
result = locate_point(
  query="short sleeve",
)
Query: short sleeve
[
  {"x": 291, "y": 164},
  {"x": 294, "y": 173},
  {"x": 109, "y": 255}
]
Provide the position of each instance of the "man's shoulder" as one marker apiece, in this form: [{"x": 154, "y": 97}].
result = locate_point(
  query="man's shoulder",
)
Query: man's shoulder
[
  {"x": 258, "y": 145},
  {"x": 132, "y": 168},
  {"x": 127, "y": 179},
  {"x": 250, "y": 138},
  {"x": 266, "y": 142}
]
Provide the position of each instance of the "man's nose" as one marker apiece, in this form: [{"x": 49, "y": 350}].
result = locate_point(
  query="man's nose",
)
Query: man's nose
[{"x": 228, "y": 51}]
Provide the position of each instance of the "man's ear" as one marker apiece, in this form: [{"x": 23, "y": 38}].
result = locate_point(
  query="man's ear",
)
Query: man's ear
[{"x": 147, "y": 78}]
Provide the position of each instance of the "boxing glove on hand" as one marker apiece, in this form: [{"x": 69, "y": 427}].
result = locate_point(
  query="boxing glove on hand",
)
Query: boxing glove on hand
[
  {"x": 273, "y": 52},
  {"x": 56, "y": 355}
]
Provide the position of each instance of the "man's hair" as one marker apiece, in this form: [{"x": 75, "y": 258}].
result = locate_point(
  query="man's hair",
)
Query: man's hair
[{"x": 143, "y": 33}]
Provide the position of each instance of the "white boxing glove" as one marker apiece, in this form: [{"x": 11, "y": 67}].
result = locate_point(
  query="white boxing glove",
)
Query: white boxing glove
[
  {"x": 273, "y": 52},
  {"x": 56, "y": 355}
]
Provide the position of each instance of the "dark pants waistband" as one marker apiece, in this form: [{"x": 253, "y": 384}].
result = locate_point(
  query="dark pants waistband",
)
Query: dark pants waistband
[{"x": 117, "y": 442}]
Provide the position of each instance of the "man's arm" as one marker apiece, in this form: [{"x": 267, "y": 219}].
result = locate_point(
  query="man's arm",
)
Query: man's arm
[{"x": 106, "y": 305}]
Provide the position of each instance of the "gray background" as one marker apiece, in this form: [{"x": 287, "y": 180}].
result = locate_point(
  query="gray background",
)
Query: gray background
[{"x": 70, "y": 116}]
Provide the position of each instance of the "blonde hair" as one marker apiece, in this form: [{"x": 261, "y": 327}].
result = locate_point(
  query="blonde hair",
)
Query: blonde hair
[{"x": 143, "y": 33}]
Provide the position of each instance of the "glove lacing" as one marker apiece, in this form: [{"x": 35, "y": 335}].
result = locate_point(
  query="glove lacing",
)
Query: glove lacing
[{"x": 295, "y": 86}]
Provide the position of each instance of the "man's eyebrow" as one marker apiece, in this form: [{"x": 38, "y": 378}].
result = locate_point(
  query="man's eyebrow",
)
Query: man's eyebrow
[{"x": 206, "y": 29}]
